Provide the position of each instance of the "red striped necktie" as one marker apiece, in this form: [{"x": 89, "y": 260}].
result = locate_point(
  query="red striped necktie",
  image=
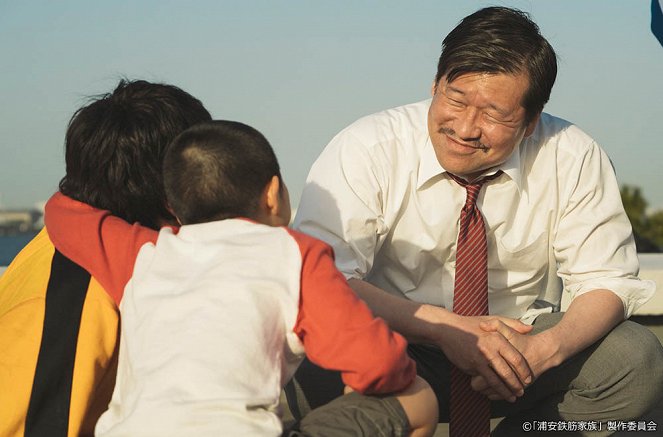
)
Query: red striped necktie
[{"x": 469, "y": 414}]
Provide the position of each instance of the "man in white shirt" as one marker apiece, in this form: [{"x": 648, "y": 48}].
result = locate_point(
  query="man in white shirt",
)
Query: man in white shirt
[{"x": 382, "y": 194}]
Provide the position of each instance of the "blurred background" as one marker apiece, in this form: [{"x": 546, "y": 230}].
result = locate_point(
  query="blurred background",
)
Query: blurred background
[{"x": 300, "y": 71}]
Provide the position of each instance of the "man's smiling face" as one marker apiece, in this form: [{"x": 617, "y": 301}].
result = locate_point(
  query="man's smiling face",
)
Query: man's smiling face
[{"x": 476, "y": 121}]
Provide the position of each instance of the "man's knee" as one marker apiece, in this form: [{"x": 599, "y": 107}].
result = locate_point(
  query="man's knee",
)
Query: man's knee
[
  {"x": 647, "y": 358},
  {"x": 639, "y": 347},
  {"x": 637, "y": 355}
]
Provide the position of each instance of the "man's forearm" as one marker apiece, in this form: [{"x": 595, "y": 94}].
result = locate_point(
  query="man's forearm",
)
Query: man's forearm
[
  {"x": 589, "y": 317},
  {"x": 402, "y": 315},
  {"x": 460, "y": 338}
]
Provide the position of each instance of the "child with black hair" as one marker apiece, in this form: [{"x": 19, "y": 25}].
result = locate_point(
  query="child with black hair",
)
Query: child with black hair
[
  {"x": 58, "y": 326},
  {"x": 217, "y": 315}
]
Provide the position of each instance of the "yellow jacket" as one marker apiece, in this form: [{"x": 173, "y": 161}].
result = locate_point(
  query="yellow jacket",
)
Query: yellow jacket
[{"x": 58, "y": 345}]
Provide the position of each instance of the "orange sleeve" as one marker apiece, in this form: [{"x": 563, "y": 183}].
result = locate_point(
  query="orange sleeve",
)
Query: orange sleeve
[
  {"x": 339, "y": 331},
  {"x": 104, "y": 245}
]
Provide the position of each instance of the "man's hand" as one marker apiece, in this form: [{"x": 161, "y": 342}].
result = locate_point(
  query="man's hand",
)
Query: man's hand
[
  {"x": 471, "y": 348},
  {"x": 487, "y": 354},
  {"x": 538, "y": 350},
  {"x": 572, "y": 334},
  {"x": 477, "y": 352}
]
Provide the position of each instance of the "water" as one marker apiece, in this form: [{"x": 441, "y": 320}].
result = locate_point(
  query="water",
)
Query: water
[{"x": 11, "y": 245}]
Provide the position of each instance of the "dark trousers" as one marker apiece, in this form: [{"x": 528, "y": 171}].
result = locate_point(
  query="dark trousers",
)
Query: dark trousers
[{"x": 620, "y": 377}]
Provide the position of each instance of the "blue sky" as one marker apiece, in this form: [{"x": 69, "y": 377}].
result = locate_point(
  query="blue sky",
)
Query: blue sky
[{"x": 300, "y": 71}]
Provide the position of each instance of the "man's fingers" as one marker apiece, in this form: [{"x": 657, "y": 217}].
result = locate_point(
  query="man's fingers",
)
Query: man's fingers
[
  {"x": 480, "y": 385},
  {"x": 506, "y": 361},
  {"x": 495, "y": 397},
  {"x": 509, "y": 377},
  {"x": 510, "y": 354},
  {"x": 496, "y": 385},
  {"x": 519, "y": 365},
  {"x": 517, "y": 325},
  {"x": 499, "y": 323}
]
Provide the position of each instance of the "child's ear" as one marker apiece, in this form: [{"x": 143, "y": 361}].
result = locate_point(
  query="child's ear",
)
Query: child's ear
[
  {"x": 170, "y": 210},
  {"x": 275, "y": 203},
  {"x": 272, "y": 196}
]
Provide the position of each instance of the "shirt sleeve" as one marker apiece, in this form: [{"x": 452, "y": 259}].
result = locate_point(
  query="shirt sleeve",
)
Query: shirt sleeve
[
  {"x": 594, "y": 243},
  {"x": 341, "y": 203},
  {"x": 339, "y": 331},
  {"x": 104, "y": 245}
]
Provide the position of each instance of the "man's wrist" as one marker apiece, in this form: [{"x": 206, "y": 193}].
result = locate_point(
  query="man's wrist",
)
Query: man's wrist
[
  {"x": 436, "y": 321},
  {"x": 551, "y": 349}
]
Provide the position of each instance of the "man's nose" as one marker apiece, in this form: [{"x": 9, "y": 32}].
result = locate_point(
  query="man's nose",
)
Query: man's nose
[{"x": 467, "y": 126}]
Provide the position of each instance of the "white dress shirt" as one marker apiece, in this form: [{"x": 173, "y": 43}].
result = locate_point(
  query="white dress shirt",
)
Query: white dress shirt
[{"x": 554, "y": 220}]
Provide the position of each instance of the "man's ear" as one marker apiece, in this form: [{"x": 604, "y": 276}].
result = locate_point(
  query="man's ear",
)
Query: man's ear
[{"x": 532, "y": 125}]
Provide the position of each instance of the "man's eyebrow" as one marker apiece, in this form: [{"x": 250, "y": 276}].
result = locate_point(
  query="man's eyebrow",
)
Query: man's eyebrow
[{"x": 449, "y": 87}]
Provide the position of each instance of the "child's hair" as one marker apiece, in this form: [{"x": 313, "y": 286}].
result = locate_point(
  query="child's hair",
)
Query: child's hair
[
  {"x": 217, "y": 170},
  {"x": 115, "y": 146}
]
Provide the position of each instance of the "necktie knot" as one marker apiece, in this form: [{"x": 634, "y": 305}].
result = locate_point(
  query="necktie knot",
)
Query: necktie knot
[
  {"x": 473, "y": 188},
  {"x": 472, "y": 193}
]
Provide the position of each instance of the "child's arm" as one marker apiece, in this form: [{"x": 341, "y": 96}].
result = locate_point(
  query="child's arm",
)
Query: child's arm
[
  {"x": 104, "y": 245},
  {"x": 339, "y": 331}
]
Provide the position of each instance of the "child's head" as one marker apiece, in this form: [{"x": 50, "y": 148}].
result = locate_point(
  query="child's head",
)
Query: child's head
[
  {"x": 224, "y": 169},
  {"x": 115, "y": 146}
]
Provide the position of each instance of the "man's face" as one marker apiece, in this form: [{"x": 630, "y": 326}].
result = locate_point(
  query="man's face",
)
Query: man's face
[{"x": 476, "y": 121}]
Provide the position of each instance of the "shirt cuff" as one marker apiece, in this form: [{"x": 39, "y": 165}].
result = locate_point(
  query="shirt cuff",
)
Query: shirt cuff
[{"x": 633, "y": 292}]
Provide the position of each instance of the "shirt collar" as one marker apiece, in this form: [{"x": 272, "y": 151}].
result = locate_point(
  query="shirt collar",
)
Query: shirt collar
[
  {"x": 512, "y": 167},
  {"x": 216, "y": 229},
  {"x": 430, "y": 167}
]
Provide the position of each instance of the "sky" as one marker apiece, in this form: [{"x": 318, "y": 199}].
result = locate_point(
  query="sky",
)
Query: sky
[{"x": 301, "y": 70}]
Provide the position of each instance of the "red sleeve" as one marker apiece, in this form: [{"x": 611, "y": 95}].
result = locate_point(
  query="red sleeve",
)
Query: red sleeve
[
  {"x": 104, "y": 245},
  {"x": 339, "y": 331}
]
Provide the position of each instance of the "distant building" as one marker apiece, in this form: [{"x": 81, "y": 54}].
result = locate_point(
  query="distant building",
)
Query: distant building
[{"x": 19, "y": 221}]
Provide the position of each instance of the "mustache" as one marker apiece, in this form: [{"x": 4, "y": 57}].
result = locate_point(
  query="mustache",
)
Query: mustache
[{"x": 474, "y": 143}]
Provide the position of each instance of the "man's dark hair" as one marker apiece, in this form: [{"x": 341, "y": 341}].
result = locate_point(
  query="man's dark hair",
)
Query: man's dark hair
[
  {"x": 501, "y": 40},
  {"x": 218, "y": 170},
  {"x": 115, "y": 145}
]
